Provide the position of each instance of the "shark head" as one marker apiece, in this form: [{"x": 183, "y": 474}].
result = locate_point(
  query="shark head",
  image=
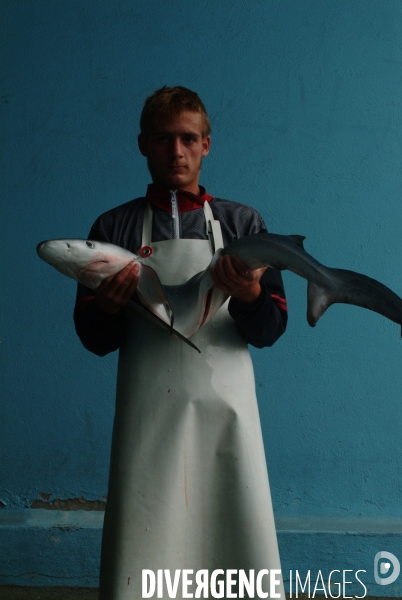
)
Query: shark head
[{"x": 86, "y": 261}]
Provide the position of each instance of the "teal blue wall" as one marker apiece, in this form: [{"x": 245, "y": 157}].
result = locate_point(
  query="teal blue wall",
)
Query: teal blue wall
[{"x": 305, "y": 100}]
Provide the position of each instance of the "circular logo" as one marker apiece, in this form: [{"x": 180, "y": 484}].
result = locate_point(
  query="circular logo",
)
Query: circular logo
[{"x": 385, "y": 567}]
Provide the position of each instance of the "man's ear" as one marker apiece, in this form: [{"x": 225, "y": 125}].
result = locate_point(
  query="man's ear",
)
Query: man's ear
[
  {"x": 142, "y": 144},
  {"x": 206, "y": 144}
]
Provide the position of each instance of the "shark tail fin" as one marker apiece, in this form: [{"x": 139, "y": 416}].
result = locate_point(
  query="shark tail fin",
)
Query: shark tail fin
[
  {"x": 349, "y": 287},
  {"x": 318, "y": 300}
]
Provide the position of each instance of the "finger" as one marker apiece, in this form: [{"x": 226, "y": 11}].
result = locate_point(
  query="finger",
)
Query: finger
[
  {"x": 130, "y": 290},
  {"x": 236, "y": 269},
  {"x": 222, "y": 280},
  {"x": 241, "y": 267},
  {"x": 122, "y": 284},
  {"x": 245, "y": 271},
  {"x": 219, "y": 275},
  {"x": 113, "y": 282},
  {"x": 217, "y": 280},
  {"x": 105, "y": 283},
  {"x": 215, "y": 277},
  {"x": 229, "y": 275}
]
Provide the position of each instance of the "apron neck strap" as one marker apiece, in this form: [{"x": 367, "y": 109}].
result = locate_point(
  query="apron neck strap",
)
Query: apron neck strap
[
  {"x": 214, "y": 231},
  {"x": 147, "y": 226},
  {"x": 213, "y": 228}
]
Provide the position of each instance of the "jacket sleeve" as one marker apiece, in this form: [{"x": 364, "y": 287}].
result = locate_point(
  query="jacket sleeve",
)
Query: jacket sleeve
[
  {"x": 100, "y": 332},
  {"x": 263, "y": 322}
]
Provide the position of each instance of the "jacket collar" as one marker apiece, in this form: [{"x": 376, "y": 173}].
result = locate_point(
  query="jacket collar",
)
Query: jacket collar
[{"x": 161, "y": 198}]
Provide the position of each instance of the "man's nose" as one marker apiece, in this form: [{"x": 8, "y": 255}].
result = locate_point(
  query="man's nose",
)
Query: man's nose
[{"x": 177, "y": 147}]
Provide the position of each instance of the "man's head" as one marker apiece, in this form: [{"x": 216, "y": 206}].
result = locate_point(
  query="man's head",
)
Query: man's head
[{"x": 174, "y": 137}]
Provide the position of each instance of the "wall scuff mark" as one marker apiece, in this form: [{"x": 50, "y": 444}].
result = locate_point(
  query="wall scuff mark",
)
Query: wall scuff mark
[{"x": 79, "y": 503}]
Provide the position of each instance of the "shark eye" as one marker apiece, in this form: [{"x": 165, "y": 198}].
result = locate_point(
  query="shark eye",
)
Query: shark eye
[
  {"x": 89, "y": 244},
  {"x": 68, "y": 245}
]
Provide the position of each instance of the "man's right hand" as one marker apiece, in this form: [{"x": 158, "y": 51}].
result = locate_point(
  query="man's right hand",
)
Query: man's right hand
[{"x": 115, "y": 291}]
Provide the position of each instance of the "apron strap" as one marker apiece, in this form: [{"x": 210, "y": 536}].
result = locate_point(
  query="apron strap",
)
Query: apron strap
[
  {"x": 213, "y": 228},
  {"x": 147, "y": 226},
  {"x": 214, "y": 231}
]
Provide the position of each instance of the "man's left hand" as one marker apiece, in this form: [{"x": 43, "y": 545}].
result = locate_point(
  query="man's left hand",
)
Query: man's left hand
[{"x": 233, "y": 276}]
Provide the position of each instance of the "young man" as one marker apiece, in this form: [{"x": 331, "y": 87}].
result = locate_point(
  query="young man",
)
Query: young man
[{"x": 188, "y": 485}]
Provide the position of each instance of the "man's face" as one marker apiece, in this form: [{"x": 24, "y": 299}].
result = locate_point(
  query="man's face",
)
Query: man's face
[{"x": 174, "y": 151}]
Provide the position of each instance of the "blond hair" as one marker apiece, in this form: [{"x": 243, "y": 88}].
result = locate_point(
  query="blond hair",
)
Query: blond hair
[{"x": 170, "y": 102}]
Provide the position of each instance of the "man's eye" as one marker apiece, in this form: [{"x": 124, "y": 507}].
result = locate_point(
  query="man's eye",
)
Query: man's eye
[{"x": 189, "y": 139}]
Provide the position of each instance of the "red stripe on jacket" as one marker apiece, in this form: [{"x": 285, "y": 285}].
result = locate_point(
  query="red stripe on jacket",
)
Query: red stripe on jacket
[{"x": 280, "y": 302}]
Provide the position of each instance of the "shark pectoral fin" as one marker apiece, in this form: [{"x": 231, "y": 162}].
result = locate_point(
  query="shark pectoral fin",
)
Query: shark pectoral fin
[
  {"x": 146, "y": 312},
  {"x": 152, "y": 294},
  {"x": 318, "y": 300}
]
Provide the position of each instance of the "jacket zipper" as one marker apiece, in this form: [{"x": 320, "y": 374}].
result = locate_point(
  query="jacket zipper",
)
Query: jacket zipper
[{"x": 175, "y": 214}]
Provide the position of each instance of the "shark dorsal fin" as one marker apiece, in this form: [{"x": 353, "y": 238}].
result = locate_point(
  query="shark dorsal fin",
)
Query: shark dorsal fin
[{"x": 298, "y": 239}]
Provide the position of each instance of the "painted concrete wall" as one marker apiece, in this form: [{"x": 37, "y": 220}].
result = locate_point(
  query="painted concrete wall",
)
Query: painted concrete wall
[{"x": 305, "y": 103}]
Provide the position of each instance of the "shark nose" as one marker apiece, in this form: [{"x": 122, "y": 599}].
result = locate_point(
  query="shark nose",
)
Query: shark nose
[{"x": 40, "y": 246}]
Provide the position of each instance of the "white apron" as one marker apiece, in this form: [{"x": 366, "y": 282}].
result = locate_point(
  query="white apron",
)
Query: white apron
[{"x": 188, "y": 486}]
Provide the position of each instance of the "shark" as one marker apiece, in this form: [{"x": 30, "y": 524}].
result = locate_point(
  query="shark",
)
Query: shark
[{"x": 184, "y": 309}]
